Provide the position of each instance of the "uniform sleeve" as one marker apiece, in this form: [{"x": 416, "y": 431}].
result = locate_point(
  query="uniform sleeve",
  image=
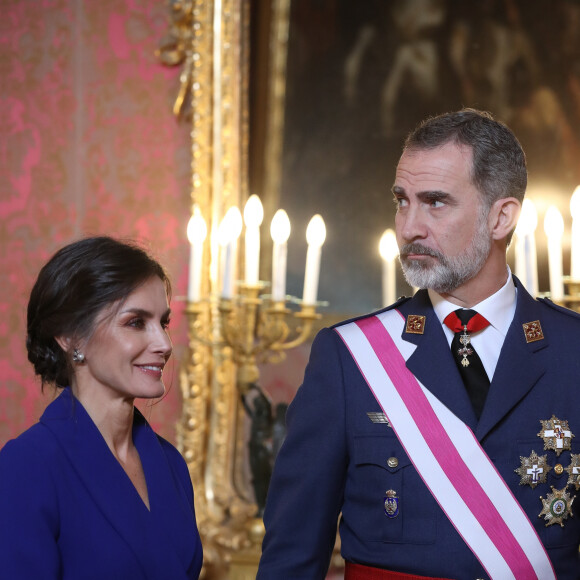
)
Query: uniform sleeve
[
  {"x": 28, "y": 515},
  {"x": 307, "y": 487}
]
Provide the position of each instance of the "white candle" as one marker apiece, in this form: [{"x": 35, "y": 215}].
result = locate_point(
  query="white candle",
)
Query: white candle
[
  {"x": 196, "y": 234},
  {"x": 253, "y": 216},
  {"x": 280, "y": 231},
  {"x": 554, "y": 228},
  {"x": 575, "y": 246},
  {"x": 228, "y": 233},
  {"x": 519, "y": 256},
  {"x": 315, "y": 236},
  {"x": 389, "y": 251},
  {"x": 526, "y": 256}
]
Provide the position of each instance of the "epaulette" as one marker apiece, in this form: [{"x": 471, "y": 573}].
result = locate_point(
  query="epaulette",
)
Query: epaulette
[
  {"x": 399, "y": 301},
  {"x": 559, "y": 308}
]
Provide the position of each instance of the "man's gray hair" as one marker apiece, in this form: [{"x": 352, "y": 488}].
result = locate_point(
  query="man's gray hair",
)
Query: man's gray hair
[{"x": 499, "y": 163}]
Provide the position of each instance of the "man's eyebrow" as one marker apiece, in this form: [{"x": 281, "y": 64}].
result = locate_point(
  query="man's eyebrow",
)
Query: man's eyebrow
[
  {"x": 434, "y": 195},
  {"x": 425, "y": 196}
]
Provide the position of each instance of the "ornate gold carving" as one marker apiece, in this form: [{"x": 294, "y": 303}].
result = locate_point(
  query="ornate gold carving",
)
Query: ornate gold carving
[
  {"x": 208, "y": 38},
  {"x": 276, "y": 101}
]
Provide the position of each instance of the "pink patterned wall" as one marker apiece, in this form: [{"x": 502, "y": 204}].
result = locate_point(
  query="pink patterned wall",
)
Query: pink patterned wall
[{"x": 89, "y": 146}]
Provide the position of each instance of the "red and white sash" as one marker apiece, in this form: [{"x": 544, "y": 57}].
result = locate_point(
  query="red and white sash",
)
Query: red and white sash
[{"x": 446, "y": 454}]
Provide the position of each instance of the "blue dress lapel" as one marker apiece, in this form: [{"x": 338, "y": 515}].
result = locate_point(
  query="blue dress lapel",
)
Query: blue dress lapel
[
  {"x": 147, "y": 534},
  {"x": 171, "y": 511}
]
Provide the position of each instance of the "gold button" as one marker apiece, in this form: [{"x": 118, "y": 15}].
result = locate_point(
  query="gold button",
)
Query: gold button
[
  {"x": 392, "y": 462},
  {"x": 559, "y": 469}
]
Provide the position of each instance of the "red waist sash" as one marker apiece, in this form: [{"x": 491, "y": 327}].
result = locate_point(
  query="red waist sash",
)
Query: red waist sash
[{"x": 360, "y": 572}]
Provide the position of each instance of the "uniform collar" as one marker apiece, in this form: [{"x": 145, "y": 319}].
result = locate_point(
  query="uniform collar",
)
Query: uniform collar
[{"x": 498, "y": 309}]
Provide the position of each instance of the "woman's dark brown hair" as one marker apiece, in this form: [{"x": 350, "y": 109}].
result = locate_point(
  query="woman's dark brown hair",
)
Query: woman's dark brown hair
[{"x": 74, "y": 286}]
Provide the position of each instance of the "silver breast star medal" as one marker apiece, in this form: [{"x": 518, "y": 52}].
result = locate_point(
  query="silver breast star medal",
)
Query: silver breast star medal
[
  {"x": 465, "y": 340},
  {"x": 533, "y": 470},
  {"x": 574, "y": 471},
  {"x": 556, "y": 435},
  {"x": 557, "y": 507},
  {"x": 391, "y": 504}
]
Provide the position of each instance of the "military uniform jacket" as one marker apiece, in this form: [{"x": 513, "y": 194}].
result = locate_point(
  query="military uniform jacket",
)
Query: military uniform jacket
[{"x": 336, "y": 462}]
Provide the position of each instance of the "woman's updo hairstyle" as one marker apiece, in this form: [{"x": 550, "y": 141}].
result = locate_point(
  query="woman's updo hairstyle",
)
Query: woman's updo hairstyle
[{"x": 77, "y": 283}]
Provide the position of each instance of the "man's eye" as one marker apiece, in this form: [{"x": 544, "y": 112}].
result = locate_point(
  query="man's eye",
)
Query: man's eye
[
  {"x": 400, "y": 201},
  {"x": 437, "y": 203}
]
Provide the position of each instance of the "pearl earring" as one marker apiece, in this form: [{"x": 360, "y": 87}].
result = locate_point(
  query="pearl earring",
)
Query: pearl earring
[{"x": 78, "y": 356}]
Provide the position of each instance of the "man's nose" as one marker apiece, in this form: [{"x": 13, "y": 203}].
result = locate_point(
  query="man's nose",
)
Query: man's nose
[{"x": 411, "y": 225}]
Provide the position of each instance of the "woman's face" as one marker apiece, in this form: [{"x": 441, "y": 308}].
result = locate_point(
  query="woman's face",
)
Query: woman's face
[{"x": 126, "y": 353}]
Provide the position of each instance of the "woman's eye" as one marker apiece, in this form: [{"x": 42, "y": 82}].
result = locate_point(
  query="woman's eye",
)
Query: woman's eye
[
  {"x": 136, "y": 323},
  {"x": 165, "y": 324}
]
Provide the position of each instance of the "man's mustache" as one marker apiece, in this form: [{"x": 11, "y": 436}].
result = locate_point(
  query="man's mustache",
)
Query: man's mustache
[{"x": 418, "y": 249}]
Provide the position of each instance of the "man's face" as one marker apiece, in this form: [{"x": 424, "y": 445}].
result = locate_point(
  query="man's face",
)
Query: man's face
[{"x": 441, "y": 224}]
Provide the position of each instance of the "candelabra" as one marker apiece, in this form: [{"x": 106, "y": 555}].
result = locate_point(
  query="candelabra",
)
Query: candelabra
[
  {"x": 256, "y": 328},
  {"x": 246, "y": 329},
  {"x": 226, "y": 433}
]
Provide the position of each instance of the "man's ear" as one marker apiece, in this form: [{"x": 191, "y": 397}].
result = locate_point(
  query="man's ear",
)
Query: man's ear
[{"x": 503, "y": 217}]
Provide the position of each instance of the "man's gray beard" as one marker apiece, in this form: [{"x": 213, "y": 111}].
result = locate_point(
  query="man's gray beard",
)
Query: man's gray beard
[{"x": 446, "y": 273}]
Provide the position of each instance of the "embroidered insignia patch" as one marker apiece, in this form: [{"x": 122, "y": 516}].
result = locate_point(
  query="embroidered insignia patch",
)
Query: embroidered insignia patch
[
  {"x": 533, "y": 331},
  {"x": 556, "y": 435},
  {"x": 415, "y": 324},
  {"x": 378, "y": 418},
  {"x": 557, "y": 507},
  {"x": 533, "y": 470},
  {"x": 574, "y": 471},
  {"x": 391, "y": 504}
]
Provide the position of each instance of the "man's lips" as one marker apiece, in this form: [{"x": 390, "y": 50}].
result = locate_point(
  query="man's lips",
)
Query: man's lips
[{"x": 418, "y": 252}]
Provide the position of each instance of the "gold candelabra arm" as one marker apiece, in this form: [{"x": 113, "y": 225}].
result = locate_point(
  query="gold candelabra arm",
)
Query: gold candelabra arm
[
  {"x": 257, "y": 329},
  {"x": 307, "y": 315}
]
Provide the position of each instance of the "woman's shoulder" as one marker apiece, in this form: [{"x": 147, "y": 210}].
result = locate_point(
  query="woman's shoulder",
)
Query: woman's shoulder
[
  {"x": 176, "y": 460},
  {"x": 32, "y": 449},
  {"x": 171, "y": 452}
]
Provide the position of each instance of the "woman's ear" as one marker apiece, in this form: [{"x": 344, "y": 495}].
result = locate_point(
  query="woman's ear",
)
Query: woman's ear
[
  {"x": 503, "y": 217},
  {"x": 64, "y": 342}
]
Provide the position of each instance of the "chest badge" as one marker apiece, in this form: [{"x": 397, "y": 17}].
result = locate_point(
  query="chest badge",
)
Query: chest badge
[
  {"x": 556, "y": 435},
  {"x": 533, "y": 470},
  {"x": 574, "y": 471},
  {"x": 557, "y": 507},
  {"x": 391, "y": 504},
  {"x": 415, "y": 324},
  {"x": 533, "y": 331}
]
